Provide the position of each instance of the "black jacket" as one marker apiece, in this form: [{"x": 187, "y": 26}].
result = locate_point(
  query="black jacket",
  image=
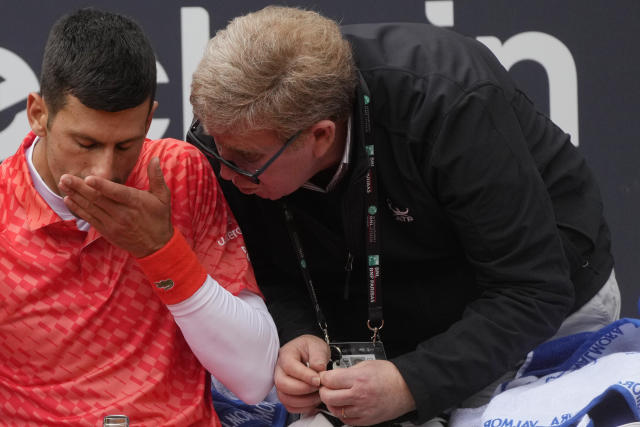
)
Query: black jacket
[{"x": 491, "y": 223}]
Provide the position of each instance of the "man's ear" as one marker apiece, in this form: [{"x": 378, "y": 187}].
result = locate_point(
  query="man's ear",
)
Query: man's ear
[
  {"x": 154, "y": 106},
  {"x": 324, "y": 137},
  {"x": 38, "y": 114}
]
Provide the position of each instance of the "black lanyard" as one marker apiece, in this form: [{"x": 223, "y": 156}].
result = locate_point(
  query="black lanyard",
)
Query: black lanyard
[
  {"x": 302, "y": 262},
  {"x": 376, "y": 320}
]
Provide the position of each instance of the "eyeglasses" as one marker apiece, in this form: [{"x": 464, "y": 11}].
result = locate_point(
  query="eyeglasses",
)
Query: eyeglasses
[{"x": 210, "y": 149}]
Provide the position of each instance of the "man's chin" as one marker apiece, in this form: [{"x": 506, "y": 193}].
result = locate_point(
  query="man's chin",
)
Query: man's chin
[
  {"x": 247, "y": 191},
  {"x": 272, "y": 196},
  {"x": 263, "y": 193}
]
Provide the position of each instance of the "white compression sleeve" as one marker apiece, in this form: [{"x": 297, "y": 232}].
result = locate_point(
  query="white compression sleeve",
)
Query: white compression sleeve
[{"x": 234, "y": 338}]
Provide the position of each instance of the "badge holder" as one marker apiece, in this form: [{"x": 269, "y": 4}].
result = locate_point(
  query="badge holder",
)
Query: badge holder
[{"x": 348, "y": 354}]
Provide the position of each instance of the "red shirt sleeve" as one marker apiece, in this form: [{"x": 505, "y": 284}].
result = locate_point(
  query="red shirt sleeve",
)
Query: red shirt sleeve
[{"x": 202, "y": 216}]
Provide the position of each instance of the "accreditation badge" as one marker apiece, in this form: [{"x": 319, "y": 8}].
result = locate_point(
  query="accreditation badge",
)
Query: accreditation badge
[{"x": 347, "y": 354}]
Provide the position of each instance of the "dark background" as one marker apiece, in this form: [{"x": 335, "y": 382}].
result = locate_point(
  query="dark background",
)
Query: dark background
[{"x": 601, "y": 36}]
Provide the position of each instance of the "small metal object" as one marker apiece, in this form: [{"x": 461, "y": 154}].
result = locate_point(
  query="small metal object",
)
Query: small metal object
[
  {"x": 375, "y": 330},
  {"x": 336, "y": 357},
  {"x": 115, "y": 421},
  {"x": 323, "y": 326}
]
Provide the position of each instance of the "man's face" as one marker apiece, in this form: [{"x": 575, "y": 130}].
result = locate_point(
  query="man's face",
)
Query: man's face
[
  {"x": 292, "y": 168},
  {"x": 82, "y": 141}
]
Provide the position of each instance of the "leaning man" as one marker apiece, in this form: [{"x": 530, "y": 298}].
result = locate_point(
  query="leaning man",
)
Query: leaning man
[{"x": 398, "y": 192}]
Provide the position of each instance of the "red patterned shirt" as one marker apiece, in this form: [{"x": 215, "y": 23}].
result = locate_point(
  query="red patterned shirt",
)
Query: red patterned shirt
[{"x": 82, "y": 333}]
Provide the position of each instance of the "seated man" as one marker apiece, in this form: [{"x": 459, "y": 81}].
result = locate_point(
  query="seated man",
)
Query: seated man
[
  {"x": 394, "y": 175},
  {"x": 123, "y": 275}
]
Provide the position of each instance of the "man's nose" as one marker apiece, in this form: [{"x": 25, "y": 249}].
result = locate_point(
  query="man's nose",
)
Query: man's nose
[
  {"x": 104, "y": 165},
  {"x": 239, "y": 180}
]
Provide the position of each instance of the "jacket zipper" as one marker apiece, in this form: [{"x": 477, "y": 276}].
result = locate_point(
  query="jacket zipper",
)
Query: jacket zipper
[{"x": 347, "y": 268}]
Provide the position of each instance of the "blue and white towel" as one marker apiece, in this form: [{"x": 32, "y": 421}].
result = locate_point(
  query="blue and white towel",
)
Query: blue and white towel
[
  {"x": 583, "y": 380},
  {"x": 235, "y": 413}
]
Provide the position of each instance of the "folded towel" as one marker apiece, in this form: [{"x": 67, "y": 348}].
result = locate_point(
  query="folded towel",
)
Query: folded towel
[{"x": 587, "y": 379}]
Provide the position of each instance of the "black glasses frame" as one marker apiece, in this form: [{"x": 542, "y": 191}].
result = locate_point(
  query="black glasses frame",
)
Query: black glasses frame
[{"x": 212, "y": 151}]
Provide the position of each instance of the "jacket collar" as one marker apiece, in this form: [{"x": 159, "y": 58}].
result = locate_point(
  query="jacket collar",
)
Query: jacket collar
[{"x": 342, "y": 168}]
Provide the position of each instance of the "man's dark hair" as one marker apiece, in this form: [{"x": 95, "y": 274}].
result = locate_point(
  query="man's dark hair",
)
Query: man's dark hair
[{"x": 102, "y": 58}]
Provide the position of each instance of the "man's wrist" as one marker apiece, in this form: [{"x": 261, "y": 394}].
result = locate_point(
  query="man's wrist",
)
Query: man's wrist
[{"x": 174, "y": 270}]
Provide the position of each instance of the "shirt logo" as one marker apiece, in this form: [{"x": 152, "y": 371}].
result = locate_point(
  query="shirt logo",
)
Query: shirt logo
[
  {"x": 165, "y": 285},
  {"x": 399, "y": 214}
]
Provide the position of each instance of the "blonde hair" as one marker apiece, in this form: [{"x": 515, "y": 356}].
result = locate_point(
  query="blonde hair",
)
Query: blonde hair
[{"x": 280, "y": 69}]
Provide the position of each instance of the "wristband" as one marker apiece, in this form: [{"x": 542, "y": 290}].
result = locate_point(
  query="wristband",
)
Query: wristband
[{"x": 174, "y": 270}]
